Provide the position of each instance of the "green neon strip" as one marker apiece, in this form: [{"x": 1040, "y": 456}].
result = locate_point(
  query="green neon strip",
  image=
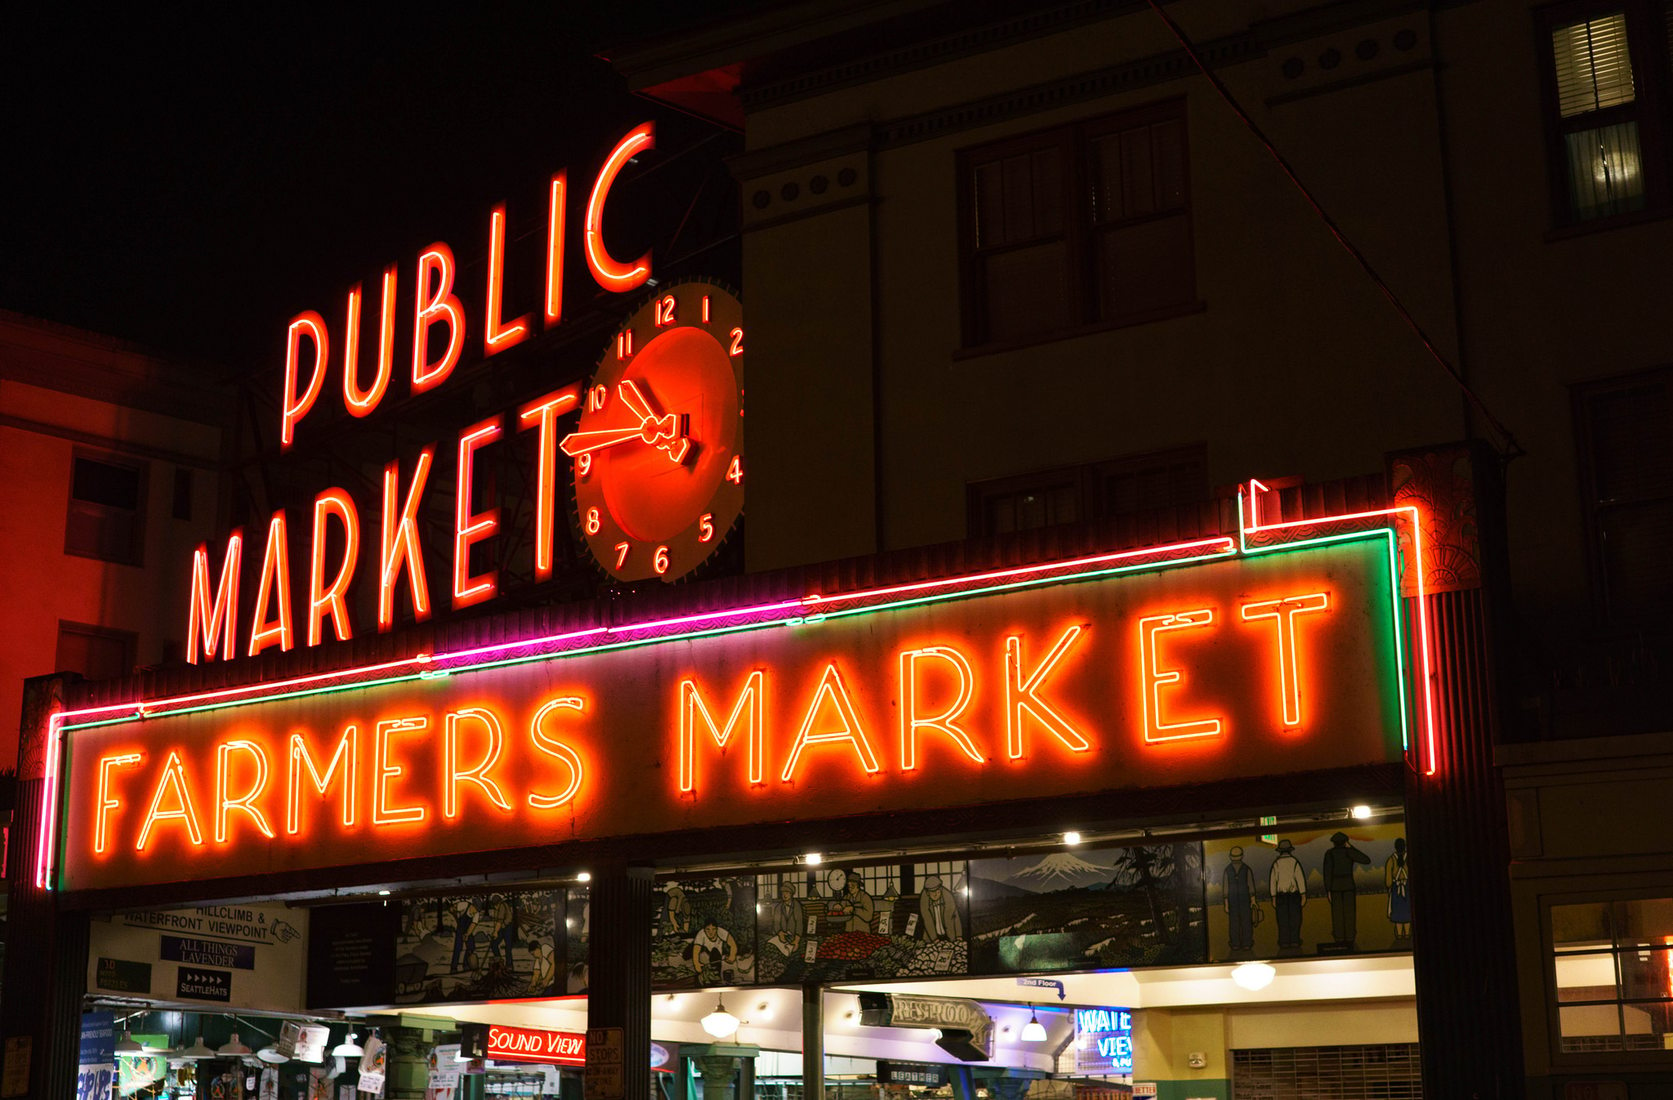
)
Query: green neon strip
[
  {"x": 1395, "y": 610},
  {"x": 122, "y": 720}
]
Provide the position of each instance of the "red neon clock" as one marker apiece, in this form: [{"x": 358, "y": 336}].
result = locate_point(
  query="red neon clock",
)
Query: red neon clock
[{"x": 658, "y": 455}]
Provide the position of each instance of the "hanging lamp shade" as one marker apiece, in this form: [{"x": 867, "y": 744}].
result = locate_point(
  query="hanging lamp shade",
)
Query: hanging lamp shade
[
  {"x": 720, "y": 1023},
  {"x": 1033, "y": 1031},
  {"x": 348, "y": 1048},
  {"x": 127, "y": 1044},
  {"x": 233, "y": 1047},
  {"x": 199, "y": 1049}
]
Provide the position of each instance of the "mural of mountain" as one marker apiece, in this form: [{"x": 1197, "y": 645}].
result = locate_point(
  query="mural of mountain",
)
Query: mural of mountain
[{"x": 1060, "y": 869}]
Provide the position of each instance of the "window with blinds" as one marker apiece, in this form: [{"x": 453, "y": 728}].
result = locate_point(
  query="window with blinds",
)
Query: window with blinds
[
  {"x": 1606, "y": 107},
  {"x": 1076, "y": 227},
  {"x": 1625, "y": 435}
]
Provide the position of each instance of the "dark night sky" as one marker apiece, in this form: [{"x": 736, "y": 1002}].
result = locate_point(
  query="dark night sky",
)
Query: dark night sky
[{"x": 193, "y": 182}]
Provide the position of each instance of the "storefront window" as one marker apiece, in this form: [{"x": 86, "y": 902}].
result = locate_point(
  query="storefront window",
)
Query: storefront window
[{"x": 1614, "y": 971}]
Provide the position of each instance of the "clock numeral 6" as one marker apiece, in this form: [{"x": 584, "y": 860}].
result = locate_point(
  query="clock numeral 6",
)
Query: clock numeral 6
[
  {"x": 592, "y": 521},
  {"x": 596, "y": 397},
  {"x": 735, "y": 472},
  {"x": 659, "y": 561},
  {"x": 584, "y": 465},
  {"x": 621, "y": 554},
  {"x": 665, "y": 310},
  {"x": 737, "y": 342},
  {"x": 706, "y": 527}
]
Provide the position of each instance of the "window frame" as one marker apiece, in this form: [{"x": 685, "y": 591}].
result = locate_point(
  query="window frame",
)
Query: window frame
[
  {"x": 1592, "y": 507},
  {"x": 1648, "y": 51},
  {"x": 1080, "y": 230},
  {"x": 1090, "y": 480},
  {"x": 142, "y": 472},
  {"x": 1650, "y": 1058},
  {"x": 128, "y": 639}
]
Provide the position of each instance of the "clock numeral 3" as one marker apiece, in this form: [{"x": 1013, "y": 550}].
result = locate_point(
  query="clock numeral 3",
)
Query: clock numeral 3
[
  {"x": 737, "y": 342},
  {"x": 735, "y": 472},
  {"x": 621, "y": 554},
  {"x": 592, "y": 521},
  {"x": 659, "y": 561},
  {"x": 706, "y": 527},
  {"x": 665, "y": 310}
]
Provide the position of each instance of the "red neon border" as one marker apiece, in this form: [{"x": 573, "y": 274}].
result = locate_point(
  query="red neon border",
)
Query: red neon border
[{"x": 780, "y": 611}]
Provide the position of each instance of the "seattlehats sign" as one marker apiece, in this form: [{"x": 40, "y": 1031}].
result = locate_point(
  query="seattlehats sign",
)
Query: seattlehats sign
[{"x": 1259, "y": 654}]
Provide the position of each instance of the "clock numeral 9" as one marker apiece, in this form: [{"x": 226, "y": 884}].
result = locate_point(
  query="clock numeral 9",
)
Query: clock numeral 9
[
  {"x": 659, "y": 561},
  {"x": 737, "y": 342},
  {"x": 706, "y": 527},
  {"x": 621, "y": 554},
  {"x": 592, "y": 521},
  {"x": 596, "y": 397},
  {"x": 735, "y": 472},
  {"x": 665, "y": 310},
  {"x": 584, "y": 465}
]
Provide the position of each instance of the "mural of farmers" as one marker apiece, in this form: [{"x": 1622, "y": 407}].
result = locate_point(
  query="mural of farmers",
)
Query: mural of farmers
[
  {"x": 938, "y": 909},
  {"x": 1288, "y": 886},
  {"x": 1338, "y": 869},
  {"x": 1240, "y": 901}
]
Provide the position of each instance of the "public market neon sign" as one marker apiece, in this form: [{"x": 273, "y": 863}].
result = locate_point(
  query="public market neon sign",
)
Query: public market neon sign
[
  {"x": 1040, "y": 680},
  {"x": 438, "y": 331}
]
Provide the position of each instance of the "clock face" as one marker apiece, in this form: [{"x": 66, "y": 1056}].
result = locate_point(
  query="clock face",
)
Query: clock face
[{"x": 658, "y": 456}]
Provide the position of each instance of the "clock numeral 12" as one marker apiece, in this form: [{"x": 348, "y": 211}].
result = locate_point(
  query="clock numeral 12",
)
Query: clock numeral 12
[
  {"x": 735, "y": 472},
  {"x": 621, "y": 554},
  {"x": 706, "y": 527},
  {"x": 659, "y": 561},
  {"x": 665, "y": 310}
]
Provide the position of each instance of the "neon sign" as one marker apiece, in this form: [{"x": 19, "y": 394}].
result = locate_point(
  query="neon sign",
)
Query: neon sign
[
  {"x": 440, "y": 322},
  {"x": 1038, "y": 681},
  {"x": 1104, "y": 1040}
]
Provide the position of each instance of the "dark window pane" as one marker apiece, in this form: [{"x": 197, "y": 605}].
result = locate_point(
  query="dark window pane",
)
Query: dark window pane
[
  {"x": 95, "y": 653},
  {"x": 1632, "y": 443},
  {"x": 990, "y": 205},
  {"x": 1137, "y": 185},
  {"x": 1028, "y": 509},
  {"x": 1027, "y": 292},
  {"x": 107, "y": 484},
  {"x": 182, "y": 493},
  {"x": 1635, "y": 541},
  {"x": 1145, "y": 265},
  {"x": 1145, "y": 489},
  {"x": 1167, "y": 143}
]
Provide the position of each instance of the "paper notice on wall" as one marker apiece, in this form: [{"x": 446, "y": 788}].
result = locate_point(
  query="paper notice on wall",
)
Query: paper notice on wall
[
  {"x": 812, "y": 952},
  {"x": 883, "y": 923},
  {"x": 912, "y": 924}
]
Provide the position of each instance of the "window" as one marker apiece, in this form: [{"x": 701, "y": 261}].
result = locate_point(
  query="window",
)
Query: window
[
  {"x": 107, "y": 509},
  {"x": 1080, "y": 227},
  {"x": 1118, "y": 487},
  {"x": 1613, "y": 970},
  {"x": 1606, "y": 106},
  {"x": 93, "y": 651},
  {"x": 1625, "y": 435}
]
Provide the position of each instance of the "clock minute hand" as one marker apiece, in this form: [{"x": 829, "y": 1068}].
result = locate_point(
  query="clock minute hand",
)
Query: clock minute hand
[
  {"x": 664, "y": 432},
  {"x": 579, "y": 443}
]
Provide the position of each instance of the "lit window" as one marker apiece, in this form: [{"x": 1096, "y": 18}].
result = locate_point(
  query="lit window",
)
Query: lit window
[
  {"x": 1612, "y": 963},
  {"x": 1605, "y": 109}
]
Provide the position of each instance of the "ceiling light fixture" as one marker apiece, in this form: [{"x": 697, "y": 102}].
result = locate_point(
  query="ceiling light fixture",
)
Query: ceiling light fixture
[
  {"x": 584, "y": 876},
  {"x": 199, "y": 1049},
  {"x": 1254, "y": 976},
  {"x": 720, "y": 1023},
  {"x": 1071, "y": 838},
  {"x": 813, "y": 859},
  {"x": 128, "y": 1045},
  {"x": 1360, "y": 812},
  {"x": 233, "y": 1047},
  {"x": 1033, "y": 1031},
  {"x": 348, "y": 1048},
  {"x": 272, "y": 1055}
]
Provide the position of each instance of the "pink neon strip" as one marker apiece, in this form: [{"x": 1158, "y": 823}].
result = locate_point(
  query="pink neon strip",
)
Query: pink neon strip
[
  {"x": 159, "y": 707},
  {"x": 1410, "y": 514}
]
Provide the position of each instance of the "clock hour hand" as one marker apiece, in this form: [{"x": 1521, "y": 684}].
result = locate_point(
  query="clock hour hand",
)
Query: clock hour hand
[{"x": 664, "y": 432}]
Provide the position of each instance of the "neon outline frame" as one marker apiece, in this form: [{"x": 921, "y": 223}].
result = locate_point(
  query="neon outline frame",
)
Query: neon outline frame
[{"x": 812, "y": 609}]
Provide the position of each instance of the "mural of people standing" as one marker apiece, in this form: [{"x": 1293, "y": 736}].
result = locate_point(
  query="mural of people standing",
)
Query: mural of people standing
[
  {"x": 1395, "y": 873},
  {"x": 1338, "y": 870},
  {"x": 939, "y": 911},
  {"x": 1241, "y": 913},
  {"x": 785, "y": 917},
  {"x": 1288, "y": 886},
  {"x": 857, "y": 904}
]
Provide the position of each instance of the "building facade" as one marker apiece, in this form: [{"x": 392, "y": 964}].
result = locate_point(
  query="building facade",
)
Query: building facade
[{"x": 1071, "y": 327}]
